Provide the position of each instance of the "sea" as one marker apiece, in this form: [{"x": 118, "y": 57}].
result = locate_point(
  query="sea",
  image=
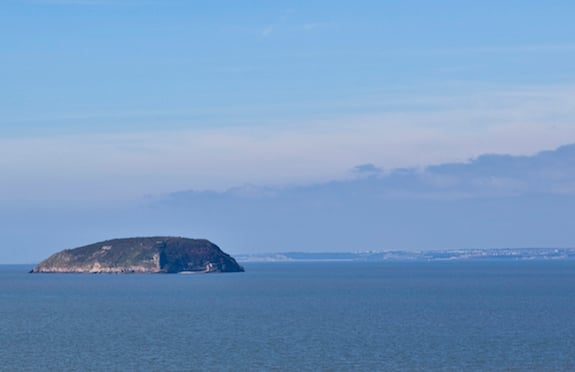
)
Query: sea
[{"x": 306, "y": 316}]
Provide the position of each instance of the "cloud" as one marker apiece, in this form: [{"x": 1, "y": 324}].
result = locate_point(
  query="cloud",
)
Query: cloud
[
  {"x": 120, "y": 165},
  {"x": 267, "y": 31},
  {"x": 525, "y": 48},
  {"x": 490, "y": 201},
  {"x": 367, "y": 169},
  {"x": 490, "y": 175},
  {"x": 547, "y": 172},
  {"x": 94, "y": 2},
  {"x": 74, "y": 2},
  {"x": 487, "y": 202},
  {"x": 280, "y": 22},
  {"x": 311, "y": 26}
]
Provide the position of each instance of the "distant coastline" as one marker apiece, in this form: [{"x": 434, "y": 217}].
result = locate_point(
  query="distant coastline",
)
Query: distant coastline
[
  {"x": 514, "y": 254},
  {"x": 495, "y": 254}
]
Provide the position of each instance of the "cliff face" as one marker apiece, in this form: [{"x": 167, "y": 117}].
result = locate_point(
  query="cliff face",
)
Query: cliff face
[{"x": 141, "y": 255}]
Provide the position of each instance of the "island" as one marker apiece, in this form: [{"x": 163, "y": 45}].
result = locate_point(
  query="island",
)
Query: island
[{"x": 142, "y": 255}]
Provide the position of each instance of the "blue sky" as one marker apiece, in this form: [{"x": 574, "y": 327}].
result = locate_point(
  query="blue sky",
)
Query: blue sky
[{"x": 106, "y": 105}]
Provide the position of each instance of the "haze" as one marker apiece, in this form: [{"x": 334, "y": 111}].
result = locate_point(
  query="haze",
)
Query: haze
[{"x": 286, "y": 126}]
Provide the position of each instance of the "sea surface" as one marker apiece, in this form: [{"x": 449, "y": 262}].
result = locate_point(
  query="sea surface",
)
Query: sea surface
[{"x": 328, "y": 316}]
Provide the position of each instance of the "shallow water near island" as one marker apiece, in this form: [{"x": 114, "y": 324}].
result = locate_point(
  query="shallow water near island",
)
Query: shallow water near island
[{"x": 294, "y": 316}]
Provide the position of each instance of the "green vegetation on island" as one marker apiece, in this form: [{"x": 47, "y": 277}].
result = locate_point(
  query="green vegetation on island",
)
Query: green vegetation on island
[{"x": 142, "y": 255}]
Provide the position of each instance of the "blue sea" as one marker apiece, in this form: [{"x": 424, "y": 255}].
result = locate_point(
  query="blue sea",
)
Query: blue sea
[{"x": 328, "y": 316}]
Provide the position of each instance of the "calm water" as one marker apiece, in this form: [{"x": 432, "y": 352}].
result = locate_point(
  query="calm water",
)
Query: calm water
[{"x": 304, "y": 316}]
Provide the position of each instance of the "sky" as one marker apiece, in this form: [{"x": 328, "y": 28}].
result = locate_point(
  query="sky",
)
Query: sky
[{"x": 250, "y": 122}]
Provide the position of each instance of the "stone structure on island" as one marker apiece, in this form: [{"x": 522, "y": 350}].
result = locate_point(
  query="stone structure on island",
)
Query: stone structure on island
[{"x": 142, "y": 255}]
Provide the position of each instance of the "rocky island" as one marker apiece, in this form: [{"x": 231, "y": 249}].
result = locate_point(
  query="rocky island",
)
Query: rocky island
[{"x": 142, "y": 255}]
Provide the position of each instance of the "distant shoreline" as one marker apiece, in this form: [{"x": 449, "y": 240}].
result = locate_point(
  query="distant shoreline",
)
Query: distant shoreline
[
  {"x": 496, "y": 254},
  {"x": 500, "y": 254}
]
